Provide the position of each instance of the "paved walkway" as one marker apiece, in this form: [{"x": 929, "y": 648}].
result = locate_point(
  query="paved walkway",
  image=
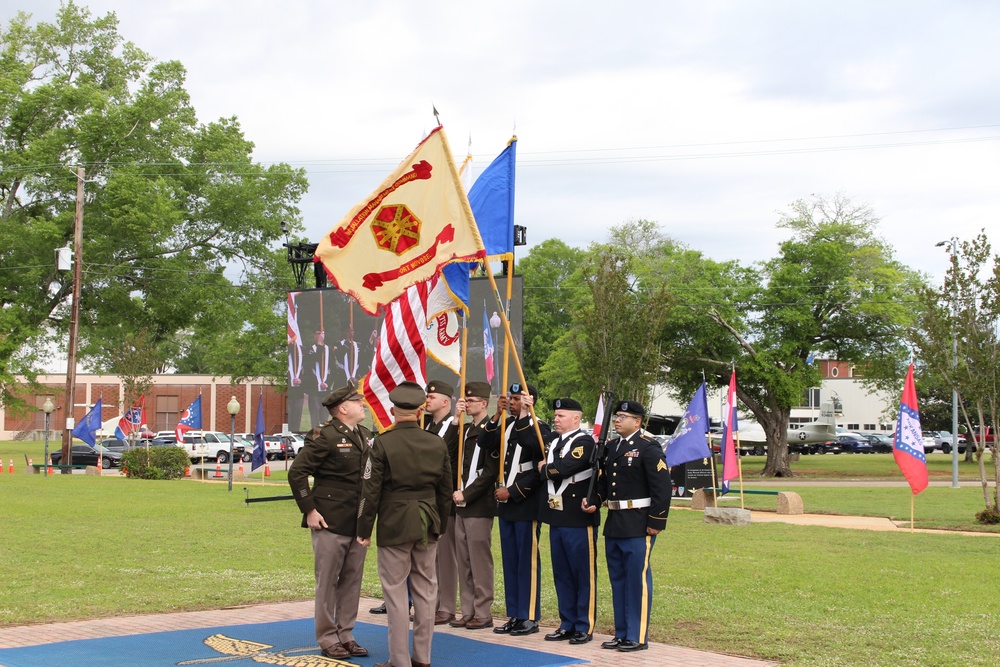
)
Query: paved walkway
[{"x": 658, "y": 655}]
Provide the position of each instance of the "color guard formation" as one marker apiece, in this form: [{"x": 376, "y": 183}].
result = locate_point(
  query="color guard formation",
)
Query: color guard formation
[{"x": 435, "y": 492}]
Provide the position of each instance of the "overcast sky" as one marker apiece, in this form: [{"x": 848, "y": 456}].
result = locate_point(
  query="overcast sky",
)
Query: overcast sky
[{"x": 707, "y": 117}]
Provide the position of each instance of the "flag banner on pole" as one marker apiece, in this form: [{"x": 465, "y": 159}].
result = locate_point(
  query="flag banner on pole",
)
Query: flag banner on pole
[
  {"x": 294, "y": 336},
  {"x": 690, "y": 440},
  {"x": 908, "y": 443},
  {"x": 730, "y": 424},
  {"x": 444, "y": 340},
  {"x": 132, "y": 421},
  {"x": 259, "y": 455},
  {"x": 401, "y": 352},
  {"x": 599, "y": 419},
  {"x": 487, "y": 346},
  {"x": 190, "y": 419},
  {"x": 492, "y": 202},
  {"x": 418, "y": 220},
  {"x": 88, "y": 427}
]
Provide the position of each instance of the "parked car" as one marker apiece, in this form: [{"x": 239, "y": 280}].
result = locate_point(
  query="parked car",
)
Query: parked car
[
  {"x": 296, "y": 441},
  {"x": 852, "y": 443},
  {"x": 91, "y": 456},
  {"x": 116, "y": 445},
  {"x": 217, "y": 445},
  {"x": 929, "y": 444},
  {"x": 881, "y": 443},
  {"x": 272, "y": 446}
]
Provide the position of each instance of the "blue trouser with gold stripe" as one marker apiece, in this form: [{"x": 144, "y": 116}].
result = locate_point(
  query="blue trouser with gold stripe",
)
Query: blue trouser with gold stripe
[
  {"x": 631, "y": 584},
  {"x": 522, "y": 572},
  {"x": 574, "y": 571}
]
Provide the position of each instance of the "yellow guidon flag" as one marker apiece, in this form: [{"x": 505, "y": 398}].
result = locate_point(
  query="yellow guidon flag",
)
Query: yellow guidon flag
[{"x": 417, "y": 221}]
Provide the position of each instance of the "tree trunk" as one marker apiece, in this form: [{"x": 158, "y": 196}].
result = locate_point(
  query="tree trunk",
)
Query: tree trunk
[{"x": 775, "y": 425}]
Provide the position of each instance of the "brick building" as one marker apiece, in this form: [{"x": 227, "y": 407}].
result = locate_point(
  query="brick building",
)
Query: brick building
[{"x": 169, "y": 396}]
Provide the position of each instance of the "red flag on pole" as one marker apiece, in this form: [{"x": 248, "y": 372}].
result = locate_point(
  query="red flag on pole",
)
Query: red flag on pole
[
  {"x": 908, "y": 444},
  {"x": 599, "y": 419}
]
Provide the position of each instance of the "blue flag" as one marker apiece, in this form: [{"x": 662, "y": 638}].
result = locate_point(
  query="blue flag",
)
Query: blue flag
[
  {"x": 190, "y": 419},
  {"x": 88, "y": 427},
  {"x": 259, "y": 452},
  {"x": 492, "y": 200},
  {"x": 690, "y": 440}
]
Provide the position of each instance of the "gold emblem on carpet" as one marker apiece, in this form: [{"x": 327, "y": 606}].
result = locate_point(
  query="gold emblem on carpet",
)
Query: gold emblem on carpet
[{"x": 244, "y": 649}]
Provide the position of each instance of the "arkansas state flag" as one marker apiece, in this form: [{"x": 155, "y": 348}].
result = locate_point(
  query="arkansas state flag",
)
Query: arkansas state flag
[
  {"x": 190, "y": 419},
  {"x": 418, "y": 220},
  {"x": 908, "y": 445}
]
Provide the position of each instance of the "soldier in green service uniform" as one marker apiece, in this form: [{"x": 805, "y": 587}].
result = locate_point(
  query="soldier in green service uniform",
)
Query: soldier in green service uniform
[
  {"x": 407, "y": 482},
  {"x": 333, "y": 456}
]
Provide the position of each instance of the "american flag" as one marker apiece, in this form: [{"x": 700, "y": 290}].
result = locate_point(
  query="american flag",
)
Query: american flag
[{"x": 401, "y": 353}]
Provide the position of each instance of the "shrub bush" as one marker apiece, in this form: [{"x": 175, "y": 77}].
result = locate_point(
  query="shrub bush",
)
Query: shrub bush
[
  {"x": 988, "y": 516},
  {"x": 155, "y": 462}
]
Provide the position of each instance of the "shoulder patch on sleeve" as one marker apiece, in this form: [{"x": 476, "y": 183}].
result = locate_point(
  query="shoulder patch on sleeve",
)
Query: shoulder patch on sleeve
[{"x": 577, "y": 452}]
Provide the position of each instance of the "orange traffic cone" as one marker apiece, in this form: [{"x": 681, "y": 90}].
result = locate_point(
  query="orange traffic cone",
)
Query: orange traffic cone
[
  {"x": 241, "y": 469},
  {"x": 218, "y": 470},
  {"x": 187, "y": 471},
  {"x": 11, "y": 468},
  {"x": 49, "y": 470},
  {"x": 31, "y": 462},
  {"x": 267, "y": 470}
]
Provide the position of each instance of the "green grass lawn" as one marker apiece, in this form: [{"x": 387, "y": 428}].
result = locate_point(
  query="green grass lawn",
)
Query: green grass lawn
[{"x": 81, "y": 547}]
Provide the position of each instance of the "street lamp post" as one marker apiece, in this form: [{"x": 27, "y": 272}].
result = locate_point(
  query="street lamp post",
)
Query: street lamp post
[
  {"x": 234, "y": 408},
  {"x": 953, "y": 243},
  {"x": 48, "y": 409}
]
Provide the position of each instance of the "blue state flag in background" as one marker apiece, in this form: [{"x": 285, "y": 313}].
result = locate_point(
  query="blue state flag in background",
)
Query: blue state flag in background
[
  {"x": 190, "y": 419},
  {"x": 491, "y": 198},
  {"x": 88, "y": 427},
  {"x": 259, "y": 453},
  {"x": 690, "y": 441}
]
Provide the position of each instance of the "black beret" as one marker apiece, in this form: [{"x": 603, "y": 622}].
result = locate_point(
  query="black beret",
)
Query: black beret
[
  {"x": 631, "y": 407},
  {"x": 335, "y": 398},
  {"x": 408, "y": 395},
  {"x": 516, "y": 388},
  {"x": 566, "y": 404},
  {"x": 478, "y": 390},
  {"x": 438, "y": 387}
]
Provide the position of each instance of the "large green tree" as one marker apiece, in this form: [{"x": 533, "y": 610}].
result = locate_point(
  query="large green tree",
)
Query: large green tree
[
  {"x": 176, "y": 212},
  {"x": 833, "y": 288}
]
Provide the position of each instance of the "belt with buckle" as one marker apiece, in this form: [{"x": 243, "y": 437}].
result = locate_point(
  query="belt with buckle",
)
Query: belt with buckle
[{"x": 635, "y": 503}]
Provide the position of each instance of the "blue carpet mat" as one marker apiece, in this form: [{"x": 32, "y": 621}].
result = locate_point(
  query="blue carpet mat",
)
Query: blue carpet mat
[{"x": 291, "y": 643}]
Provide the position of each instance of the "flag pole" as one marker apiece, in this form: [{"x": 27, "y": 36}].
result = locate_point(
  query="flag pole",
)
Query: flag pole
[
  {"x": 912, "y": 496},
  {"x": 460, "y": 417},
  {"x": 517, "y": 360},
  {"x": 506, "y": 362},
  {"x": 739, "y": 468}
]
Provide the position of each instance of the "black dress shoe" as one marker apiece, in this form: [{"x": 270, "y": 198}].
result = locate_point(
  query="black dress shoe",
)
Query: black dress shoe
[
  {"x": 506, "y": 627},
  {"x": 614, "y": 643},
  {"x": 580, "y": 638},
  {"x": 524, "y": 627},
  {"x": 627, "y": 645},
  {"x": 378, "y": 610},
  {"x": 558, "y": 636}
]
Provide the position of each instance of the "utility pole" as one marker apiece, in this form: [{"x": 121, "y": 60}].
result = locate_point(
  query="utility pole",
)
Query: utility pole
[{"x": 74, "y": 322}]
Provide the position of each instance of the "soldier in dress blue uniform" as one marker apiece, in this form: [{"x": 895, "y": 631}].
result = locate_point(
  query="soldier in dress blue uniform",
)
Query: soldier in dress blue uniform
[
  {"x": 518, "y": 497},
  {"x": 635, "y": 484},
  {"x": 572, "y": 530}
]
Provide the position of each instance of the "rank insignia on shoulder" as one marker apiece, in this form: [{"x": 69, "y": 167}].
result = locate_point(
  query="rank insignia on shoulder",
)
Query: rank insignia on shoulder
[
  {"x": 577, "y": 453},
  {"x": 661, "y": 465}
]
